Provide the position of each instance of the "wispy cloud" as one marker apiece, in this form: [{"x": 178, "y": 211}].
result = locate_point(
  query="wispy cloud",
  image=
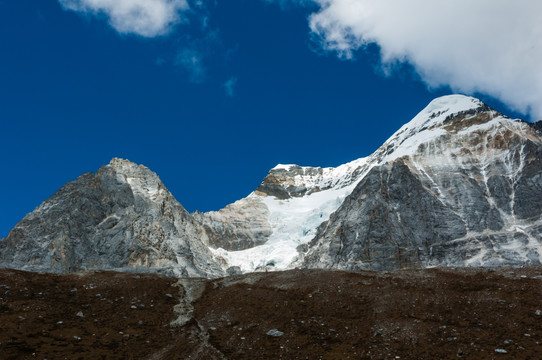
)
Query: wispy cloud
[
  {"x": 229, "y": 86},
  {"x": 488, "y": 46},
  {"x": 199, "y": 55},
  {"x": 191, "y": 60},
  {"x": 148, "y": 18}
]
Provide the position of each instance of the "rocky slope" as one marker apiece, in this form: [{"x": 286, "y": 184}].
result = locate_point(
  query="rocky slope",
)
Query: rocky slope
[{"x": 460, "y": 184}]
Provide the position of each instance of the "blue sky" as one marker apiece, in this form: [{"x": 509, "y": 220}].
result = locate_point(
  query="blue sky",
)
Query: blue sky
[{"x": 210, "y": 101}]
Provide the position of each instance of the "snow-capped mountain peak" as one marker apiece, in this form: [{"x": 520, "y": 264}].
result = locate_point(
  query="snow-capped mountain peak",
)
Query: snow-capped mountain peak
[
  {"x": 441, "y": 108},
  {"x": 442, "y": 115}
]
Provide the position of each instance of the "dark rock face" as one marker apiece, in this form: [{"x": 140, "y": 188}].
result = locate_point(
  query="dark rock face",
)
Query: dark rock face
[
  {"x": 122, "y": 217},
  {"x": 390, "y": 221},
  {"x": 528, "y": 189},
  {"x": 537, "y": 126}
]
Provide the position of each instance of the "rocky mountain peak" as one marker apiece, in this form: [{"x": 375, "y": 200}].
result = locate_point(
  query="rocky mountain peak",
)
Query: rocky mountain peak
[
  {"x": 444, "y": 107},
  {"x": 120, "y": 163},
  {"x": 443, "y": 116},
  {"x": 128, "y": 170},
  {"x": 441, "y": 111},
  {"x": 142, "y": 181},
  {"x": 121, "y": 217}
]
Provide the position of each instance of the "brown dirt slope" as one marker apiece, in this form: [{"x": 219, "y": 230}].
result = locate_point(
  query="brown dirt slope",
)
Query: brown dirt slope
[
  {"x": 420, "y": 314},
  {"x": 123, "y": 315}
]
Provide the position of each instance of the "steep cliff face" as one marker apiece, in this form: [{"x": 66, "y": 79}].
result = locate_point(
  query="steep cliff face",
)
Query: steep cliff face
[
  {"x": 122, "y": 217},
  {"x": 458, "y": 185}
]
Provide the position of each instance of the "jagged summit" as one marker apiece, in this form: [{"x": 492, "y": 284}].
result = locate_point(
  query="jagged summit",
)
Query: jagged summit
[
  {"x": 142, "y": 181},
  {"x": 120, "y": 163}
]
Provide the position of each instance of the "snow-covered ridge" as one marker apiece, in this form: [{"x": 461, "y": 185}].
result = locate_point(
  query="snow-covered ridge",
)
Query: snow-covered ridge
[
  {"x": 286, "y": 167},
  {"x": 429, "y": 125},
  {"x": 317, "y": 178},
  {"x": 439, "y": 110},
  {"x": 435, "y": 114},
  {"x": 327, "y": 171}
]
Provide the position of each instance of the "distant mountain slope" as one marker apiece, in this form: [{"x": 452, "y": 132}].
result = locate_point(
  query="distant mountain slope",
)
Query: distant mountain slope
[{"x": 460, "y": 184}]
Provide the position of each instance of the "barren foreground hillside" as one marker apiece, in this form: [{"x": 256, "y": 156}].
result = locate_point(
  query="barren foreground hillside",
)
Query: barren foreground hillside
[{"x": 300, "y": 314}]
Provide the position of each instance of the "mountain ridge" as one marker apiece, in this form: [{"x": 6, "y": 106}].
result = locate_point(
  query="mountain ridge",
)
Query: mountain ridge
[{"x": 459, "y": 184}]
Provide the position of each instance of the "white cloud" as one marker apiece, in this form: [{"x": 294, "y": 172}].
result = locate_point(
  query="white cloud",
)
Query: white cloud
[
  {"x": 488, "y": 46},
  {"x": 229, "y": 86},
  {"x": 148, "y": 18}
]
